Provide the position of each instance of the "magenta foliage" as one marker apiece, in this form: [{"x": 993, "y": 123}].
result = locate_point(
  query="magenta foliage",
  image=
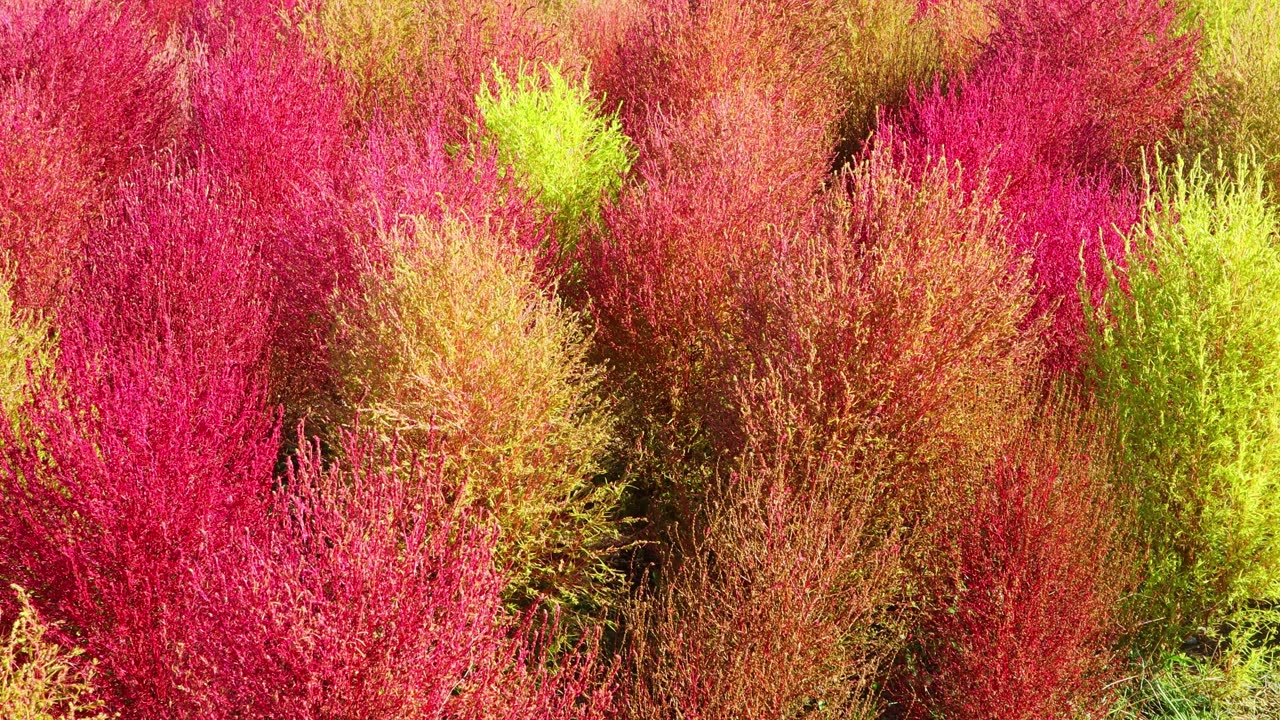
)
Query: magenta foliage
[
  {"x": 84, "y": 98},
  {"x": 152, "y": 448},
  {"x": 404, "y": 172},
  {"x": 374, "y": 596},
  {"x": 268, "y": 119},
  {"x": 138, "y": 509},
  {"x": 1066, "y": 92},
  {"x": 46, "y": 192},
  {"x": 96, "y": 64}
]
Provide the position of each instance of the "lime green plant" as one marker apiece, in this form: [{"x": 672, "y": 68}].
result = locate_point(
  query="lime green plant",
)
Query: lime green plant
[
  {"x": 457, "y": 348},
  {"x": 1188, "y": 353},
  {"x": 1237, "y": 91},
  {"x": 38, "y": 679},
  {"x": 564, "y": 148}
]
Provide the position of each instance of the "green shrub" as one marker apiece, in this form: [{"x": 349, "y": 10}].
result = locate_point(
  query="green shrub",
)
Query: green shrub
[
  {"x": 456, "y": 340},
  {"x": 1188, "y": 352},
  {"x": 38, "y": 679},
  {"x": 565, "y": 149},
  {"x": 1238, "y": 86},
  {"x": 24, "y": 348}
]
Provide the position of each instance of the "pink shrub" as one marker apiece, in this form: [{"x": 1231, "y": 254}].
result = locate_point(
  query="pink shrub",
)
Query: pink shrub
[
  {"x": 84, "y": 97},
  {"x": 152, "y": 449},
  {"x": 398, "y": 173},
  {"x": 47, "y": 192},
  {"x": 97, "y": 67},
  {"x": 1066, "y": 92},
  {"x": 268, "y": 120},
  {"x": 1026, "y": 633},
  {"x": 374, "y": 595},
  {"x": 139, "y": 510}
]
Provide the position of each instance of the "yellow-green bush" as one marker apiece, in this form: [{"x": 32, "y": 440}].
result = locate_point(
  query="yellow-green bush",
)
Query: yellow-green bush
[
  {"x": 564, "y": 149},
  {"x": 1237, "y": 92},
  {"x": 1188, "y": 354},
  {"x": 24, "y": 348},
  {"x": 38, "y": 679},
  {"x": 457, "y": 345}
]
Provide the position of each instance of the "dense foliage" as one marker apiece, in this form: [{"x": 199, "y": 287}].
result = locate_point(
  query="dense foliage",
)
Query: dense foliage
[{"x": 639, "y": 359}]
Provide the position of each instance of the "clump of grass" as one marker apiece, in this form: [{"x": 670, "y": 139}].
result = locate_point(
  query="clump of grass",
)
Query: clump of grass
[
  {"x": 1188, "y": 353},
  {"x": 38, "y": 679},
  {"x": 456, "y": 339},
  {"x": 1231, "y": 672},
  {"x": 565, "y": 150}
]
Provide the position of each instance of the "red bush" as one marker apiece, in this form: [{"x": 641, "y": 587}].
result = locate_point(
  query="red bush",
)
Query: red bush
[
  {"x": 685, "y": 249},
  {"x": 268, "y": 120},
  {"x": 724, "y": 101},
  {"x": 1026, "y": 633},
  {"x": 152, "y": 449},
  {"x": 47, "y": 192},
  {"x": 97, "y": 67},
  {"x": 373, "y": 595}
]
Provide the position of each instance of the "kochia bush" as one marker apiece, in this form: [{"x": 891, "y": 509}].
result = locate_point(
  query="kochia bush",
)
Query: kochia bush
[
  {"x": 1237, "y": 91},
  {"x": 85, "y": 96},
  {"x": 370, "y": 592},
  {"x": 1025, "y": 628},
  {"x": 564, "y": 151},
  {"x": 151, "y": 449},
  {"x": 454, "y": 339},
  {"x": 1188, "y": 353},
  {"x": 1064, "y": 95}
]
